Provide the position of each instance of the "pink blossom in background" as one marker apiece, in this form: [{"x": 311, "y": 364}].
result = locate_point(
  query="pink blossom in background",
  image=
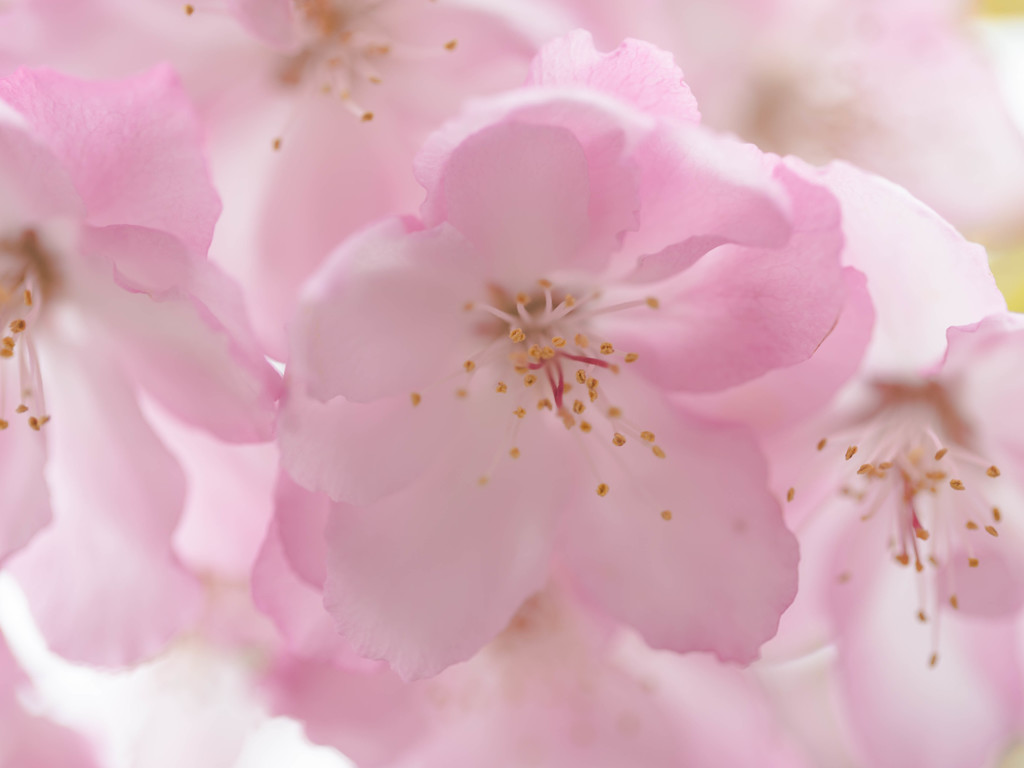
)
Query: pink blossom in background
[
  {"x": 106, "y": 291},
  {"x": 481, "y": 362}
]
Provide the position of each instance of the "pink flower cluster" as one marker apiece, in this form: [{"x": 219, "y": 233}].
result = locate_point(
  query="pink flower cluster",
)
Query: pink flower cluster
[{"x": 491, "y": 409}]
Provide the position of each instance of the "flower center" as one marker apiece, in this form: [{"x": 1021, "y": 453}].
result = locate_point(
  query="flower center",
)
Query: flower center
[
  {"x": 912, "y": 460},
  {"x": 540, "y": 357},
  {"x": 25, "y": 276},
  {"x": 346, "y": 44}
]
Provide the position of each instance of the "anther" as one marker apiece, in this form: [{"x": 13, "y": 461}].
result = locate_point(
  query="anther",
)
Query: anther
[
  {"x": 956, "y": 485},
  {"x": 592, "y": 383},
  {"x": 462, "y": 394},
  {"x": 534, "y": 351},
  {"x": 991, "y": 531},
  {"x": 971, "y": 525},
  {"x": 8, "y": 342},
  {"x": 585, "y": 426},
  {"x": 569, "y": 301},
  {"x": 544, "y": 283},
  {"x": 558, "y": 341},
  {"x": 4, "y": 424},
  {"x": 544, "y": 403},
  {"x": 647, "y": 436},
  {"x": 607, "y": 348},
  {"x": 366, "y": 117},
  {"x": 614, "y": 412},
  {"x": 602, "y": 490},
  {"x": 933, "y": 660},
  {"x": 514, "y": 453},
  {"x": 581, "y": 376},
  {"x": 954, "y": 602},
  {"x": 276, "y": 144},
  {"x": 865, "y": 468},
  {"x": 546, "y": 353},
  {"x": 921, "y": 617},
  {"x": 822, "y": 443},
  {"x": 517, "y": 335},
  {"x": 450, "y": 45},
  {"x": 17, "y": 326},
  {"x": 887, "y": 465},
  {"x": 632, "y": 357},
  {"x": 618, "y": 439},
  {"x": 34, "y": 423},
  {"x": 21, "y": 408},
  {"x": 28, "y": 298},
  {"x": 656, "y": 450},
  {"x": 522, "y": 298},
  {"x": 520, "y": 412},
  {"x": 652, "y": 302},
  {"x": 529, "y": 379},
  {"x": 581, "y": 340},
  {"x": 992, "y": 471},
  {"x": 469, "y": 365},
  {"x": 189, "y": 10},
  {"x": 568, "y": 420},
  {"x": 593, "y": 395},
  {"x": 483, "y": 480},
  {"x": 903, "y": 558},
  {"x": 996, "y": 514},
  {"x": 666, "y": 514},
  {"x": 790, "y": 494},
  {"x": 416, "y": 398},
  {"x": 922, "y": 534},
  {"x": 973, "y": 562},
  {"x": 940, "y": 453},
  {"x": 6, "y": 352},
  {"x": 578, "y": 407},
  {"x": 850, "y": 452}
]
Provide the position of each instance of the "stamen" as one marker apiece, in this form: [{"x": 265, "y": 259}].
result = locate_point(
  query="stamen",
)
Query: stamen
[
  {"x": 851, "y": 452},
  {"x": 602, "y": 489},
  {"x": 992, "y": 471},
  {"x": 666, "y": 514},
  {"x": 822, "y": 443},
  {"x": 940, "y": 453},
  {"x": 632, "y": 357},
  {"x": 607, "y": 348},
  {"x": 416, "y": 398},
  {"x": 618, "y": 439},
  {"x": 658, "y": 452},
  {"x": 956, "y": 485},
  {"x": 513, "y": 452}
]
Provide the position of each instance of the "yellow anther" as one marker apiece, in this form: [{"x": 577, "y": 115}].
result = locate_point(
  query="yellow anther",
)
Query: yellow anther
[
  {"x": 607, "y": 348},
  {"x": 28, "y": 298},
  {"x": 581, "y": 340},
  {"x": 666, "y": 514},
  {"x": 276, "y": 144},
  {"x": 4, "y": 424},
  {"x": 865, "y": 468},
  {"x": 919, "y": 566},
  {"x": 790, "y": 494},
  {"x": 971, "y": 525},
  {"x": 935, "y": 475},
  {"x": 652, "y": 302},
  {"x": 21, "y": 408},
  {"x": 992, "y": 471},
  {"x": 593, "y": 395},
  {"x": 903, "y": 559},
  {"x": 888, "y": 465},
  {"x": 656, "y": 450},
  {"x": 8, "y": 342},
  {"x": 632, "y": 357},
  {"x": 501, "y": 388},
  {"x": 483, "y": 480},
  {"x": 534, "y": 351},
  {"x": 44, "y": 420},
  {"x": 822, "y": 443},
  {"x": 568, "y": 420},
  {"x": 450, "y": 45},
  {"x": 592, "y": 383},
  {"x": 991, "y": 531},
  {"x": 546, "y": 353},
  {"x": 614, "y": 412},
  {"x": 933, "y": 660},
  {"x": 6, "y": 352},
  {"x": 921, "y": 617},
  {"x": 602, "y": 489},
  {"x": 521, "y": 369},
  {"x": 34, "y": 423},
  {"x": 17, "y": 326},
  {"x": 996, "y": 514},
  {"x": 956, "y": 485},
  {"x": 544, "y": 283},
  {"x": 558, "y": 341},
  {"x": 513, "y": 452},
  {"x": 416, "y": 398},
  {"x": 851, "y": 452},
  {"x": 544, "y": 403},
  {"x": 469, "y": 365},
  {"x": 522, "y": 298},
  {"x": 922, "y": 534},
  {"x": 520, "y": 412},
  {"x": 648, "y": 436},
  {"x": 366, "y": 117},
  {"x": 940, "y": 453},
  {"x": 585, "y": 426},
  {"x": 581, "y": 376},
  {"x": 954, "y": 602},
  {"x": 578, "y": 407},
  {"x": 462, "y": 394},
  {"x": 569, "y": 300},
  {"x": 468, "y": 306},
  {"x": 972, "y": 561},
  {"x": 517, "y": 335},
  {"x": 189, "y": 9},
  {"x": 529, "y": 379},
  {"x": 618, "y": 439}
]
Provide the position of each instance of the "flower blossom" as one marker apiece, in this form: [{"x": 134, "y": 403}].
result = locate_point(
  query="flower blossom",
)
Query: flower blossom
[
  {"x": 500, "y": 369},
  {"x": 105, "y": 293}
]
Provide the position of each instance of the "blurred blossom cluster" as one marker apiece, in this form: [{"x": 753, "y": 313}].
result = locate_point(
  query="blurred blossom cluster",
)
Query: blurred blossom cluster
[{"x": 511, "y": 384}]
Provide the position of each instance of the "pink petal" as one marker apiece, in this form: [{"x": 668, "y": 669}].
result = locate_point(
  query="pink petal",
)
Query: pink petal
[
  {"x": 184, "y": 333},
  {"x": 636, "y": 72},
  {"x": 26, "y": 508},
  {"x": 910, "y": 256},
  {"x": 131, "y": 147},
  {"x": 740, "y": 312},
  {"x": 424, "y": 577},
  {"x": 386, "y": 316},
  {"x": 272, "y": 21},
  {"x": 520, "y": 193},
  {"x": 119, "y": 594},
  {"x": 718, "y": 573}
]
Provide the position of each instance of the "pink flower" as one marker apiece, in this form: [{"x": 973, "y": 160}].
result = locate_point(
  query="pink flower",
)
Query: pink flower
[
  {"x": 104, "y": 293},
  {"x": 501, "y": 369},
  {"x": 899, "y": 87},
  {"x": 903, "y": 495}
]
